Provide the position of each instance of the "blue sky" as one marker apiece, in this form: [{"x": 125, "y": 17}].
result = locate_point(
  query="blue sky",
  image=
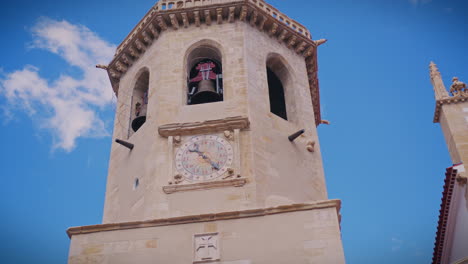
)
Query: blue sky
[{"x": 382, "y": 154}]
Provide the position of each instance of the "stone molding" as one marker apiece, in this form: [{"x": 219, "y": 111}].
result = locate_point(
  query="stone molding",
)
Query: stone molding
[
  {"x": 256, "y": 13},
  {"x": 168, "y": 189},
  {"x": 446, "y": 101},
  {"x": 206, "y": 217},
  {"x": 192, "y": 128},
  {"x": 458, "y": 91}
]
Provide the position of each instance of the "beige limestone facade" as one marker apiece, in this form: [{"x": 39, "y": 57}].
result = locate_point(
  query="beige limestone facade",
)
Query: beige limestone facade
[
  {"x": 270, "y": 205},
  {"x": 451, "y": 112}
]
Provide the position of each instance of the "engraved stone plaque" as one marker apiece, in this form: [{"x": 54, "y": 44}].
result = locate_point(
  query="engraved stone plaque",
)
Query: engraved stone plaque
[{"x": 206, "y": 248}]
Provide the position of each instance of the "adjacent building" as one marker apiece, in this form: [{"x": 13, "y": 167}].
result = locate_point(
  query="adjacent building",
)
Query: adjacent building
[{"x": 451, "y": 246}]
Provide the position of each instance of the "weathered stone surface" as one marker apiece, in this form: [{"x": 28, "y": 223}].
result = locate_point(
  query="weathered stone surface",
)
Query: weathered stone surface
[
  {"x": 273, "y": 238},
  {"x": 275, "y": 196}
]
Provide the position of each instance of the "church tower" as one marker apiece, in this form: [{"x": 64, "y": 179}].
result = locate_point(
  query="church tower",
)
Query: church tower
[{"x": 216, "y": 156}]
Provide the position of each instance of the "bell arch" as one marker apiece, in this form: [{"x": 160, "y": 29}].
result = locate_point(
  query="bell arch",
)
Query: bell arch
[
  {"x": 204, "y": 72},
  {"x": 139, "y": 104}
]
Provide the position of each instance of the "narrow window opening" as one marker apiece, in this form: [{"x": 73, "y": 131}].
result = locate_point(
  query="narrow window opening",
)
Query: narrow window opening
[
  {"x": 276, "y": 93},
  {"x": 136, "y": 183},
  {"x": 140, "y": 102}
]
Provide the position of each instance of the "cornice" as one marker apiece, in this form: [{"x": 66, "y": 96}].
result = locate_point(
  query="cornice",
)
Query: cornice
[
  {"x": 440, "y": 241},
  {"x": 191, "y": 128},
  {"x": 445, "y": 101},
  {"x": 169, "y": 189},
  {"x": 206, "y": 217},
  {"x": 256, "y": 13}
]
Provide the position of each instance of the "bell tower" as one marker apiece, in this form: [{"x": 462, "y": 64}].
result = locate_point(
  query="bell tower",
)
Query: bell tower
[{"x": 216, "y": 155}]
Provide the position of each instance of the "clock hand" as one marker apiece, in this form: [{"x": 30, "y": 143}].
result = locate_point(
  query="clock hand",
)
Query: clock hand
[
  {"x": 196, "y": 149},
  {"x": 213, "y": 164},
  {"x": 202, "y": 154}
]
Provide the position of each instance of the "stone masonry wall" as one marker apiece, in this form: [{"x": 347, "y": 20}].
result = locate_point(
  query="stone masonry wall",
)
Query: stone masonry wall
[
  {"x": 299, "y": 237},
  {"x": 278, "y": 171}
]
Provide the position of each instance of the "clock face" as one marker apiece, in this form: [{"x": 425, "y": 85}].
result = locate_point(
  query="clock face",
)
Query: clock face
[{"x": 204, "y": 158}]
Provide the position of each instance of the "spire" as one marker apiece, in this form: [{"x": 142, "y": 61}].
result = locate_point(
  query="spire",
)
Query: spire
[{"x": 436, "y": 79}]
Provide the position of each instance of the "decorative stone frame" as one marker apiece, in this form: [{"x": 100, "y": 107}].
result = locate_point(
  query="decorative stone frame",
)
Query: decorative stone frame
[{"x": 231, "y": 127}]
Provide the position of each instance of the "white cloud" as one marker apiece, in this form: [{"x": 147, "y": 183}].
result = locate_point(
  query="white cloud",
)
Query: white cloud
[
  {"x": 419, "y": 2},
  {"x": 68, "y": 105}
]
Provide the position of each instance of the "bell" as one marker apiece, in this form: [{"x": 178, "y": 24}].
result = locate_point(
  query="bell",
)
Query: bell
[
  {"x": 206, "y": 93},
  {"x": 138, "y": 122}
]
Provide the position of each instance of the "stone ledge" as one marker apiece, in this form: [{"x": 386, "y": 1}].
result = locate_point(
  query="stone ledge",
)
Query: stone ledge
[
  {"x": 449, "y": 100},
  {"x": 204, "y": 185},
  {"x": 191, "y": 128},
  {"x": 206, "y": 217}
]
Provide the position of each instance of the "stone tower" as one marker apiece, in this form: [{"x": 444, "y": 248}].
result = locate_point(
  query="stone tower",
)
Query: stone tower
[
  {"x": 204, "y": 171},
  {"x": 451, "y": 245},
  {"x": 452, "y": 114}
]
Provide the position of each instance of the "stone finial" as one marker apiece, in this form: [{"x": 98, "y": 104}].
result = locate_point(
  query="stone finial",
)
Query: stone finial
[
  {"x": 436, "y": 79},
  {"x": 458, "y": 88},
  {"x": 434, "y": 71}
]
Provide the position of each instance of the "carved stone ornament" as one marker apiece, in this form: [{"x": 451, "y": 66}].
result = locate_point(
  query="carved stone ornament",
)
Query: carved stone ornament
[
  {"x": 458, "y": 88},
  {"x": 228, "y": 135},
  {"x": 178, "y": 179},
  {"x": 177, "y": 140},
  {"x": 206, "y": 248}
]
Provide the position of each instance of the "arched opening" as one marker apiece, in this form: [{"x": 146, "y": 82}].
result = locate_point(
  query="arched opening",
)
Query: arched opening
[
  {"x": 277, "y": 76},
  {"x": 139, "y": 101},
  {"x": 205, "y": 78},
  {"x": 276, "y": 93}
]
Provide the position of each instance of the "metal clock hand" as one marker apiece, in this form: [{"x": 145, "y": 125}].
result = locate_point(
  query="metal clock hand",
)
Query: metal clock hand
[
  {"x": 213, "y": 164},
  {"x": 196, "y": 150}
]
